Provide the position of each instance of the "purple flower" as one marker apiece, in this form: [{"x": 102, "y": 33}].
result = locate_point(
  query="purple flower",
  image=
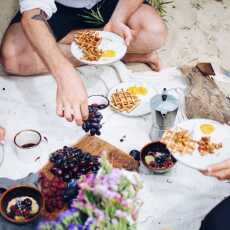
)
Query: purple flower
[
  {"x": 66, "y": 213},
  {"x": 120, "y": 214},
  {"x": 99, "y": 214},
  {"x": 73, "y": 227},
  {"x": 88, "y": 223}
]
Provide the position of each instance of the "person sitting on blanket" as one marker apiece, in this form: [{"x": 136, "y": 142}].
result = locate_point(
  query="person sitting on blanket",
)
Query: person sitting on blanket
[
  {"x": 39, "y": 36},
  {"x": 2, "y": 134},
  {"x": 217, "y": 219}
]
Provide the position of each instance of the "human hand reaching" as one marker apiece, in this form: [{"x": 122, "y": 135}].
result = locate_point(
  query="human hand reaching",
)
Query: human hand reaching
[
  {"x": 121, "y": 29},
  {"x": 221, "y": 170},
  {"x": 2, "y": 134},
  {"x": 72, "y": 99}
]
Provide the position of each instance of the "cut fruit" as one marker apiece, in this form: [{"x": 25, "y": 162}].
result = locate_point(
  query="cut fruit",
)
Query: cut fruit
[{"x": 149, "y": 159}]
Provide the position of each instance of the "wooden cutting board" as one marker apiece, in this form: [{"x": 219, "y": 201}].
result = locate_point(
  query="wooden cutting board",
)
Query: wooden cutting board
[
  {"x": 95, "y": 146},
  {"x": 118, "y": 158}
]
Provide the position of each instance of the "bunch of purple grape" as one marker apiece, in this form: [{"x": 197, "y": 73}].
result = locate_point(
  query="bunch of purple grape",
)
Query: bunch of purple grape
[
  {"x": 53, "y": 192},
  {"x": 71, "y": 163},
  {"x": 93, "y": 124}
]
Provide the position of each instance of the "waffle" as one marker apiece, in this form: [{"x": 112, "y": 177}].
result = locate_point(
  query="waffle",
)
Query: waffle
[
  {"x": 124, "y": 101},
  {"x": 179, "y": 141},
  {"x": 89, "y": 42}
]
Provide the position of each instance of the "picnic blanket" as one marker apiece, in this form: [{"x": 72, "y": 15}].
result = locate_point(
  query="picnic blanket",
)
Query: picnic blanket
[{"x": 178, "y": 200}]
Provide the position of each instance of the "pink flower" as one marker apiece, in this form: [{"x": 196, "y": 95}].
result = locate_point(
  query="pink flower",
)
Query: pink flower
[{"x": 120, "y": 214}]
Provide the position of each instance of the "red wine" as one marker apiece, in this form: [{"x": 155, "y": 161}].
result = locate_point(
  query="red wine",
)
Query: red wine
[{"x": 29, "y": 145}]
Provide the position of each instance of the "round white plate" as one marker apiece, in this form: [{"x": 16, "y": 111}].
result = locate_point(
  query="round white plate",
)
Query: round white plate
[
  {"x": 143, "y": 107},
  {"x": 110, "y": 41},
  {"x": 220, "y": 135}
]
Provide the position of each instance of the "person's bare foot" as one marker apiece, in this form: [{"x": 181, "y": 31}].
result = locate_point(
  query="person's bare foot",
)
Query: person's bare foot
[{"x": 152, "y": 59}]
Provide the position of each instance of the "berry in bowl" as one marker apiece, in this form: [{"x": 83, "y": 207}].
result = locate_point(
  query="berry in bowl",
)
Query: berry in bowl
[
  {"x": 135, "y": 154},
  {"x": 21, "y": 205},
  {"x": 157, "y": 158}
]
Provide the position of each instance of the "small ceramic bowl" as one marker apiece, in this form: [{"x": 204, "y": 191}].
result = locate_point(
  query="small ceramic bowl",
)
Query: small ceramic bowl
[
  {"x": 20, "y": 191},
  {"x": 156, "y": 148},
  {"x": 101, "y": 101}
]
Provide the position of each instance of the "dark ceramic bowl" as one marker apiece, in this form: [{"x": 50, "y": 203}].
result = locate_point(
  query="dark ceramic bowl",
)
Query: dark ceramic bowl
[
  {"x": 20, "y": 191},
  {"x": 155, "y": 147}
]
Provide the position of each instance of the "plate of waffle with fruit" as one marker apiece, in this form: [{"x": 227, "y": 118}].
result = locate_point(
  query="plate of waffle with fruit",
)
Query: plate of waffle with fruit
[
  {"x": 199, "y": 143},
  {"x": 131, "y": 98},
  {"x": 97, "y": 47}
]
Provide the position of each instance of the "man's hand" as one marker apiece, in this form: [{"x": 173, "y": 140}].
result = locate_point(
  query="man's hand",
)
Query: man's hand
[
  {"x": 72, "y": 100},
  {"x": 221, "y": 171},
  {"x": 121, "y": 29}
]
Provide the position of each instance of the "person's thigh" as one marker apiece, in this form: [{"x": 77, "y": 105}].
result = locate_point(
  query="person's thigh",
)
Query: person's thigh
[{"x": 218, "y": 218}]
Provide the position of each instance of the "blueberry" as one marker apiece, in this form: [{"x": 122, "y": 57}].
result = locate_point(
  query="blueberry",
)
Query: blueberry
[
  {"x": 98, "y": 133},
  {"x": 72, "y": 183},
  {"x": 135, "y": 154},
  {"x": 92, "y": 132},
  {"x": 66, "y": 177}
]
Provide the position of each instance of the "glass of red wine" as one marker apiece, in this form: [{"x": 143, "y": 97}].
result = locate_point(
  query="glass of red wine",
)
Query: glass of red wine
[{"x": 28, "y": 144}]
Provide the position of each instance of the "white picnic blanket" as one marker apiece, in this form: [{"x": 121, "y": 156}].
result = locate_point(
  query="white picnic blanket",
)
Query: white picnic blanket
[{"x": 178, "y": 200}]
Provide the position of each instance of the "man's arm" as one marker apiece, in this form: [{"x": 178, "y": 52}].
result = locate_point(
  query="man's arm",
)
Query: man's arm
[
  {"x": 125, "y": 8},
  {"x": 119, "y": 19},
  {"x": 40, "y": 35},
  {"x": 71, "y": 94}
]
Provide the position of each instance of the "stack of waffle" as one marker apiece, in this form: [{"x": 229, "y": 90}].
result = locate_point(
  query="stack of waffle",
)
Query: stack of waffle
[
  {"x": 123, "y": 101},
  {"x": 179, "y": 141},
  {"x": 89, "y": 42}
]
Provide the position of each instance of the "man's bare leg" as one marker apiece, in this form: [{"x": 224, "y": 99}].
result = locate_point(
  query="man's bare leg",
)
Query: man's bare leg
[
  {"x": 149, "y": 35},
  {"x": 19, "y": 57}
]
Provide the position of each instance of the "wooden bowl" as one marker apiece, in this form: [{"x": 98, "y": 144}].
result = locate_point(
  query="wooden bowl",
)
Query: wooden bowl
[
  {"x": 20, "y": 191},
  {"x": 156, "y": 147}
]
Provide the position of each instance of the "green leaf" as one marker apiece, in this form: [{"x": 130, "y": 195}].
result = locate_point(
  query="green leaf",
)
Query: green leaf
[{"x": 159, "y": 5}]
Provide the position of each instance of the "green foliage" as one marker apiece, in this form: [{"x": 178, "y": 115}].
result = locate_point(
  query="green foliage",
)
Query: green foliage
[
  {"x": 94, "y": 16},
  {"x": 160, "y": 5}
]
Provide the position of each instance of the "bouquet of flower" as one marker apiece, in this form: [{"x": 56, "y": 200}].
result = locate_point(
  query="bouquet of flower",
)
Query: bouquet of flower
[{"x": 107, "y": 200}]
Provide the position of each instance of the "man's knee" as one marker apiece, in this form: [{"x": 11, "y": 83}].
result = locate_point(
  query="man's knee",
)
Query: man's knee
[
  {"x": 156, "y": 32},
  {"x": 147, "y": 21},
  {"x": 12, "y": 49},
  {"x": 9, "y": 56}
]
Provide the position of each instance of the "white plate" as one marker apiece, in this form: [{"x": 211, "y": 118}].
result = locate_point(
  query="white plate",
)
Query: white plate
[
  {"x": 220, "y": 135},
  {"x": 144, "y": 105},
  {"x": 110, "y": 41}
]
